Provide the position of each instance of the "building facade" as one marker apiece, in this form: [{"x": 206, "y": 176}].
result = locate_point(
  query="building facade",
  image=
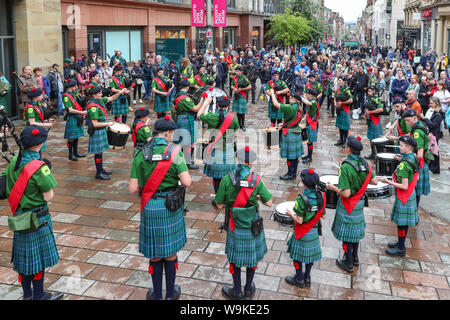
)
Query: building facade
[
  {"x": 412, "y": 26},
  {"x": 435, "y": 25}
]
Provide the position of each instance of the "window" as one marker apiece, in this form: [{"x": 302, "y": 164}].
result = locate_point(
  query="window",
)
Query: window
[
  {"x": 231, "y": 4},
  {"x": 129, "y": 42}
]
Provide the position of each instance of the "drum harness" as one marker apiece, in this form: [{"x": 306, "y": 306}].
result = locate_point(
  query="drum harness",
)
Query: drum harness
[
  {"x": 363, "y": 168},
  {"x": 309, "y": 207}
]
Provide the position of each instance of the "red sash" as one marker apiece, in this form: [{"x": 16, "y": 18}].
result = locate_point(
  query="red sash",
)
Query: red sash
[
  {"x": 161, "y": 84},
  {"x": 242, "y": 198},
  {"x": 157, "y": 176},
  {"x": 237, "y": 87},
  {"x": 179, "y": 99},
  {"x": 293, "y": 123},
  {"x": 225, "y": 125},
  {"x": 22, "y": 182},
  {"x": 93, "y": 104},
  {"x": 272, "y": 84},
  {"x": 199, "y": 80},
  {"x": 117, "y": 81},
  {"x": 350, "y": 203},
  {"x": 312, "y": 123},
  {"x": 138, "y": 127},
  {"x": 302, "y": 229},
  {"x": 375, "y": 119},
  {"x": 75, "y": 103},
  {"x": 403, "y": 195},
  {"x": 38, "y": 110}
]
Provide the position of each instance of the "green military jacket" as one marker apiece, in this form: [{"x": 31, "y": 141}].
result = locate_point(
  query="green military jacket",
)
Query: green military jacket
[
  {"x": 300, "y": 206},
  {"x": 349, "y": 178}
]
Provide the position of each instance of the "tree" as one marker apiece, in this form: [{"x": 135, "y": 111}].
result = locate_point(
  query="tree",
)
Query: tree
[{"x": 290, "y": 28}]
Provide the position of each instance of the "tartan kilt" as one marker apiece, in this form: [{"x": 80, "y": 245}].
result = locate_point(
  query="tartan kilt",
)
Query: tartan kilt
[
  {"x": 162, "y": 233},
  {"x": 291, "y": 145},
  {"x": 35, "y": 251},
  {"x": 274, "y": 114},
  {"x": 119, "y": 108},
  {"x": 343, "y": 120},
  {"x": 187, "y": 128},
  {"x": 312, "y": 135},
  {"x": 161, "y": 106},
  {"x": 307, "y": 249},
  {"x": 373, "y": 131},
  {"x": 98, "y": 142},
  {"x": 243, "y": 249},
  {"x": 239, "y": 104},
  {"x": 220, "y": 163},
  {"x": 73, "y": 131},
  {"x": 423, "y": 183},
  {"x": 349, "y": 227},
  {"x": 405, "y": 215}
]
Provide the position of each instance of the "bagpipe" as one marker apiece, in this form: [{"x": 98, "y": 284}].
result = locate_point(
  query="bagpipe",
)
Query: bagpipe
[{"x": 241, "y": 84}]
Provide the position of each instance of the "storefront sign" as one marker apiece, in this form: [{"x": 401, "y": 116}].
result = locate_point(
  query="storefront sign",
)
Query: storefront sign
[
  {"x": 220, "y": 13},
  {"x": 429, "y": 14},
  {"x": 170, "y": 33},
  {"x": 254, "y": 33},
  {"x": 198, "y": 13}
]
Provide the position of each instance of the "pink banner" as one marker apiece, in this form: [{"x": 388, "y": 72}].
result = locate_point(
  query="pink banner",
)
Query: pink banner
[
  {"x": 198, "y": 13},
  {"x": 220, "y": 13}
]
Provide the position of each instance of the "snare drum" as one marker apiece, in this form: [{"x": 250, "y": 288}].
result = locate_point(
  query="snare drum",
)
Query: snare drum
[
  {"x": 332, "y": 196},
  {"x": 304, "y": 133},
  {"x": 280, "y": 215},
  {"x": 118, "y": 135},
  {"x": 380, "y": 191},
  {"x": 272, "y": 136},
  {"x": 386, "y": 164},
  {"x": 381, "y": 143}
]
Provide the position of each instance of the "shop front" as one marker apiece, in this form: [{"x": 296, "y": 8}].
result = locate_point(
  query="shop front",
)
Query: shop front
[
  {"x": 171, "y": 43},
  {"x": 411, "y": 37}
]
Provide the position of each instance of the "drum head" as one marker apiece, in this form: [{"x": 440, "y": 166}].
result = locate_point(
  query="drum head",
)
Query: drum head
[
  {"x": 120, "y": 128},
  {"x": 380, "y": 185},
  {"x": 215, "y": 93},
  {"x": 282, "y": 207},
  {"x": 334, "y": 179},
  {"x": 380, "y": 140},
  {"x": 389, "y": 156}
]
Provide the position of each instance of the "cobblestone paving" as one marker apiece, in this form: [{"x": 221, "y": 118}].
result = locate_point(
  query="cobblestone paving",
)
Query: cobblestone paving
[{"x": 96, "y": 227}]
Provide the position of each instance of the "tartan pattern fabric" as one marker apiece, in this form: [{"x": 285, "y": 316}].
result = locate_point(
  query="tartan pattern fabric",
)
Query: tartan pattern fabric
[
  {"x": 343, "y": 120},
  {"x": 274, "y": 114},
  {"x": 349, "y": 227},
  {"x": 312, "y": 135},
  {"x": 405, "y": 215},
  {"x": 35, "y": 251},
  {"x": 307, "y": 249},
  {"x": 219, "y": 163},
  {"x": 239, "y": 104},
  {"x": 44, "y": 146},
  {"x": 162, "y": 233},
  {"x": 423, "y": 183},
  {"x": 243, "y": 249},
  {"x": 119, "y": 108},
  {"x": 291, "y": 145},
  {"x": 373, "y": 131},
  {"x": 161, "y": 106},
  {"x": 98, "y": 142},
  {"x": 73, "y": 131},
  {"x": 187, "y": 128}
]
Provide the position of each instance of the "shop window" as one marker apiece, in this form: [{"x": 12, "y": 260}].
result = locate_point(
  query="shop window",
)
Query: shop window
[{"x": 129, "y": 42}]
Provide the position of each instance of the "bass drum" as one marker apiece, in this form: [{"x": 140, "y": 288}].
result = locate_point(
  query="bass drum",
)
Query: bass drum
[{"x": 212, "y": 93}]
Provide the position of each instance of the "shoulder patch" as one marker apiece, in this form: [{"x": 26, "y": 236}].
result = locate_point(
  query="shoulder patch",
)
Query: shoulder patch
[
  {"x": 147, "y": 129},
  {"x": 416, "y": 135},
  {"x": 66, "y": 99},
  {"x": 93, "y": 109},
  {"x": 45, "y": 170},
  {"x": 30, "y": 110},
  {"x": 401, "y": 166},
  {"x": 188, "y": 99}
]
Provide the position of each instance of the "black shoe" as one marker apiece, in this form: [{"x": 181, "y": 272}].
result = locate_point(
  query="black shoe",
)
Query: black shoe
[
  {"x": 80, "y": 155},
  {"x": 108, "y": 172},
  {"x": 73, "y": 158},
  {"x": 248, "y": 295},
  {"x": 176, "y": 293},
  {"x": 151, "y": 295},
  {"x": 339, "y": 143},
  {"x": 307, "y": 160},
  {"x": 193, "y": 166},
  {"x": 52, "y": 296},
  {"x": 341, "y": 264},
  {"x": 370, "y": 157},
  {"x": 305, "y": 157},
  {"x": 396, "y": 252},
  {"x": 355, "y": 262},
  {"x": 228, "y": 293},
  {"x": 102, "y": 176},
  {"x": 392, "y": 245},
  {"x": 294, "y": 282},
  {"x": 244, "y": 129},
  {"x": 214, "y": 204},
  {"x": 307, "y": 281},
  {"x": 287, "y": 177}
]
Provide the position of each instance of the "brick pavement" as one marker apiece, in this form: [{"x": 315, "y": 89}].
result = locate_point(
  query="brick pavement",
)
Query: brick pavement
[{"x": 96, "y": 227}]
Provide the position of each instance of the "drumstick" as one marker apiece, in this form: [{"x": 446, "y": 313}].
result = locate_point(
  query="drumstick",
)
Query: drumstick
[
  {"x": 334, "y": 165},
  {"x": 391, "y": 146}
]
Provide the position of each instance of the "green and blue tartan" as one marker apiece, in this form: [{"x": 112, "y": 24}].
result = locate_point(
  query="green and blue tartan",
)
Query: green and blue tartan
[
  {"x": 120, "y": 108},
  {"x": 349, "y": 227},
  {"x": 291, "y": 145},
  {"x": 98, "y": 142},
  {"x": 162, "y": 233},
  {"x": 343, "y": 120},
  {"x": 161, "y": 106},
  {"x": 239, "y": 104},
  {"x": 307, "y": 249},
  {"x": 423, "y": 183},
  {"x": 220, "y": 163},
  {"x": 187, "y": 128},
  {"x": 44, "y": 146},
  {"x": 73, "y": 131},
  {"x": 274, "y": 114},
  {"x": 405, "y": 215},
  {"x": 312, "y": 135},
  {"x": 35, "y": 251},
  {"x": 374, "y": 131},
  {"x": 243, "y": 249}
]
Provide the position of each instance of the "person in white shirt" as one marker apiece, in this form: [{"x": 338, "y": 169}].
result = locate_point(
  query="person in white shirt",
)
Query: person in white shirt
[{"x": 443, "y": 95}]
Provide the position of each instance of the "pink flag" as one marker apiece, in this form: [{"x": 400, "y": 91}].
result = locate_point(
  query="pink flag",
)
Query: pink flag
[
  {"x": 220, "y": 13},
  {"x": 198, "y": 13}
]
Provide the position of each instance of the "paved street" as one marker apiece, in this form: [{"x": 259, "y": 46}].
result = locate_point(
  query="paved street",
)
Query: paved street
[{"x": 96, "y": 225}]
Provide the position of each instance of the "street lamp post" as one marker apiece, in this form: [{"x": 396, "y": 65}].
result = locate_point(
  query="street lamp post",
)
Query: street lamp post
[{"x": 209, "y": 34}]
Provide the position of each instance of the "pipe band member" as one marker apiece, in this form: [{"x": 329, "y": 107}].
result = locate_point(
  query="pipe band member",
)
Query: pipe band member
[
  {"x": 240, "y": 86},
  {"x": 374, "y": 109},
  {"x": 312, "y": 120},
  {"x": 343, "y": 99},
  {"x": 141, "y": 133},
  {"x": 120, "y": 107},
  {"x": 162, "y": 87},
  {"x": 280, "y": 89}
]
